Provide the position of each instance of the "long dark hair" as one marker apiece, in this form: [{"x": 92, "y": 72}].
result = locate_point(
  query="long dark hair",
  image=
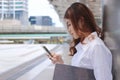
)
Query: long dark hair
[{"x": 83, "y": 22}]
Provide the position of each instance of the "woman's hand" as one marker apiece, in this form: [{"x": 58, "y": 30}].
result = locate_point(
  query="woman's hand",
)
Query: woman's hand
[{"x": 56, "y": 58}]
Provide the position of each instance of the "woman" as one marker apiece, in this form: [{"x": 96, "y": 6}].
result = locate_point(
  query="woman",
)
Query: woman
[{"x": 88, "y": 49}]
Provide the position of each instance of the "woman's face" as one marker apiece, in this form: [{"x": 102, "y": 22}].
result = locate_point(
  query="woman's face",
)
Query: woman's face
[{"x": 71, "y": 29}]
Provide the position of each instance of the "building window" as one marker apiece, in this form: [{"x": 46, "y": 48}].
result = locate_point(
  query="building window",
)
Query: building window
[
  {"x": 11, "y": 3},
  {"x": 5, "y": 3},
  {"x": 19, "y": 7},
  {"x": 19, "y": 3},
  {"x": 92, "y": 0},
  {"x": 6, "y": 7}
]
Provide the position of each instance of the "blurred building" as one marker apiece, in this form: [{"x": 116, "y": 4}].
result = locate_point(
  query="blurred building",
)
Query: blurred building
[
  {"x": 14, "y": 9},
  {"x": 41, "y": 20},
  {"x": 94, "y": 5}
]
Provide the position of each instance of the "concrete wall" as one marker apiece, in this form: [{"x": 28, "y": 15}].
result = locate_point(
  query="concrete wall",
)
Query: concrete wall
[{"x": 111, "y": 27}]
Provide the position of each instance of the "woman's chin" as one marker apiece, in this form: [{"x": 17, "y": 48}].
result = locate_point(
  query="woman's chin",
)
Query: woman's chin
[{"x": 75, "y": 37}]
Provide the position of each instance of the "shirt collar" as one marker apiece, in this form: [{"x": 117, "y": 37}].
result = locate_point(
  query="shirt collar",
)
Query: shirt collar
[
  {"x": 78, "y": 46},
  {"x": 89, "y": 38}
]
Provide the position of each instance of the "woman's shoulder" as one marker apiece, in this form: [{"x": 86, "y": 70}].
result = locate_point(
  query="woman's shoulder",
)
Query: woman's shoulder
[
  {"x": 94, "y": 39},
  {"x": 97, "y": 41}
]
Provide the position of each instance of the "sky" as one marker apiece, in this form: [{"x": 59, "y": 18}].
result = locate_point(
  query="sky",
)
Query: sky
[{"x": 43, "y": 8}]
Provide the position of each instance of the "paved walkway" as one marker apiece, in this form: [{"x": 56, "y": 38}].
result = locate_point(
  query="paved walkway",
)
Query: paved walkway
[
  {"x": 17, "y": 60},
  {"x": 43, "y": 69}
]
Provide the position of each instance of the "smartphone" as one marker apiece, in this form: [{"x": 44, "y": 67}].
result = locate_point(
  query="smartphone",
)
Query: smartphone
[{"x": 45, "y": 48}]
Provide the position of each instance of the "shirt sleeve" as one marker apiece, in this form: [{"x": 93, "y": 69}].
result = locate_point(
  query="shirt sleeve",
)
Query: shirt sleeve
[{"x": 102, "y": 63}]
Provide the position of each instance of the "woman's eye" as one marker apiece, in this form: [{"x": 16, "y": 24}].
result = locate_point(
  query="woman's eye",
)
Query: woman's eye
[{"x": 68, "y": 25}]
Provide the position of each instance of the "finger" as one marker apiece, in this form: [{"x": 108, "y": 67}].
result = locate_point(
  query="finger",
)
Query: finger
[
  {"x": 49, "y": 57},
  {"x": 54, "y": 54},
  {"x": 53, "y": 61},
  {"x": 52, "y": 58}
]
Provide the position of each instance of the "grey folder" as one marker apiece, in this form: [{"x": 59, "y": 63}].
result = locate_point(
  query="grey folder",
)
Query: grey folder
[{"x": 68, "y": 72}]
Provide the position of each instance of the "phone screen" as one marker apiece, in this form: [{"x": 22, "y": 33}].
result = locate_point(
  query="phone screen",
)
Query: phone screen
[{"x": 47, "y": 51}]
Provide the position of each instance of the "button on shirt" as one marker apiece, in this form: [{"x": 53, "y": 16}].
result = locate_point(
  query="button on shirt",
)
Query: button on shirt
[{"x": 94, "y": 55}]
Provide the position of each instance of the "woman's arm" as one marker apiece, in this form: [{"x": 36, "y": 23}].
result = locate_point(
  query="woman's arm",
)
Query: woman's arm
[{"x": 102, "y": 63}]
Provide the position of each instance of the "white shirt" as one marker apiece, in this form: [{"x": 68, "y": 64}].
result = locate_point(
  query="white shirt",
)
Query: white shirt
[{"x": 94, "y": 55}]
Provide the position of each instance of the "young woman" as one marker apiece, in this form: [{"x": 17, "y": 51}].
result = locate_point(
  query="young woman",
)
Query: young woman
[{"x": 88, "y": 49}]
